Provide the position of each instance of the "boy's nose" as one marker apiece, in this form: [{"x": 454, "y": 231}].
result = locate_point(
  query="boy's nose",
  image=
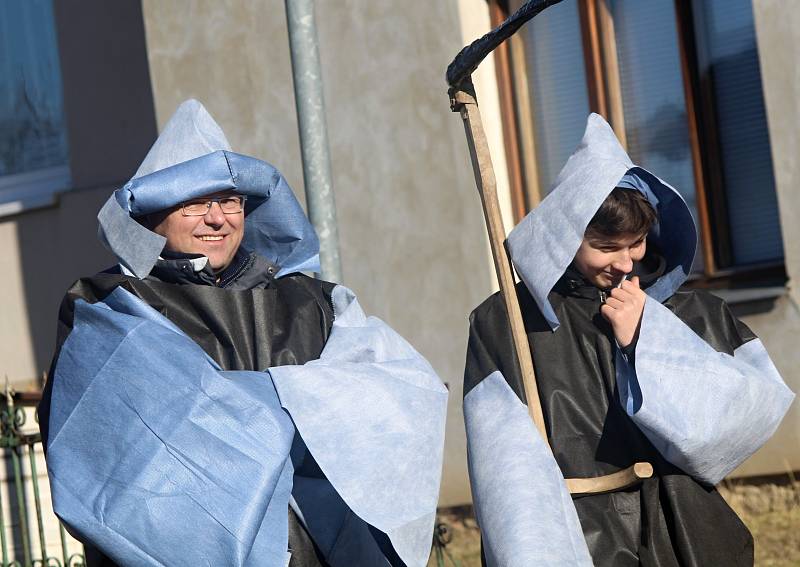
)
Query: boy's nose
[{"x": 623, "y": 262}]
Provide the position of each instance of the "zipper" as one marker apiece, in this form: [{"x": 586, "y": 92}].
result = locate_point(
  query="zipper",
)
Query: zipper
[{"x": 242, "y": 267}]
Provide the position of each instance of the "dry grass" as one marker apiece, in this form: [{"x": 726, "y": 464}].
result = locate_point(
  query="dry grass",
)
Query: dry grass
[
  {"x": 770, "y": 508},
  {"x": 464, "y": 538}
]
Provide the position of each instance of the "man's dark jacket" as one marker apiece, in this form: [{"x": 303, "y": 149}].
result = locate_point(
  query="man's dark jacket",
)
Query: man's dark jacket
[{"x": 244, "y": 318}]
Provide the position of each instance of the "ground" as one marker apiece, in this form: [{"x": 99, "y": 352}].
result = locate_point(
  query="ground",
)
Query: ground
[
  {"x": 770, "y": 508},
  {"x": 772, "y": 512}
]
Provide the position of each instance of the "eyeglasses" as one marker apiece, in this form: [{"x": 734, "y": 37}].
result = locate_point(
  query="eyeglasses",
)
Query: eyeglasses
[{"x": 230, "y": 204}]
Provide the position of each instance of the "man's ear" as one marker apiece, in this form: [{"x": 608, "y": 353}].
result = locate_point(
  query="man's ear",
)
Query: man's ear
[
  {"x": 152, "y": 220},
  {"x": 146, "y": 221}
]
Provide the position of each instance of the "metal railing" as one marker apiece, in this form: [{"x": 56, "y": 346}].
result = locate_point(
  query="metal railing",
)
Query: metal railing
[{"x": 20, "y": 546}]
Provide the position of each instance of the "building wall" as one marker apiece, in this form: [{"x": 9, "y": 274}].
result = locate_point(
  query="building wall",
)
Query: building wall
[
  {"x": 778, "y": 324},
  {"x": 410, "y": 223},
  {"x": 411, "y": 228},
  {"x": 110, "y": 125}
]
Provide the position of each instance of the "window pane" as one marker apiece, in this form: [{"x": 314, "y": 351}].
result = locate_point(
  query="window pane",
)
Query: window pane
[
  {"x": 557, "y": 79},
  {"x": 32, "y": 131},
  {"x": 731, "y": 61},
  {"x": 652, "y": 93}
]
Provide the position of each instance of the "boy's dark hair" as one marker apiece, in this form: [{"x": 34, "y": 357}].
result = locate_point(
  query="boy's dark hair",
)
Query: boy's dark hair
[{"x": 625, "y": 211}]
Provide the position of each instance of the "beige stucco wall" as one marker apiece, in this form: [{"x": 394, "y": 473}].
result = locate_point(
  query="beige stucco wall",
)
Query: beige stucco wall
[
  {"x": 41, "y": 253},
  {"x": 16, "y": 348},
  {"x": 410, "y": 224}
]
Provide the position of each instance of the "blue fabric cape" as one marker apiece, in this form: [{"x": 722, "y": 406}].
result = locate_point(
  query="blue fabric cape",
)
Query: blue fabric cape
[{"x": 158, "y": 457}]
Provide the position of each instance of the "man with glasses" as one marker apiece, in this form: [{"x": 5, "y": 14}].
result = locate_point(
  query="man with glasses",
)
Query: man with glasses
[
  {"x": 210, "y": 227},
  {"x": 209, "y": 404}
]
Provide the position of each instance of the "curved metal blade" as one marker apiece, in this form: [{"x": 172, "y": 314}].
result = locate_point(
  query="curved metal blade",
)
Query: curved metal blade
[{"x": 471, "y": 56}]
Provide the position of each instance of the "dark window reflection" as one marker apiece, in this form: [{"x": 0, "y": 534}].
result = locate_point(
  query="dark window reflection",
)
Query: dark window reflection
[
  {"x": 652, "y": 93},
  {"x": 557, "y": 85},
  {"x": 32, "y": 131},
  {"x": 729, "y": 60}
]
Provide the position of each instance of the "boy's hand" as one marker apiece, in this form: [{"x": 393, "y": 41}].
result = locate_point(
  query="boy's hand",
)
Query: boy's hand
[{"x": 623, "y": 309}]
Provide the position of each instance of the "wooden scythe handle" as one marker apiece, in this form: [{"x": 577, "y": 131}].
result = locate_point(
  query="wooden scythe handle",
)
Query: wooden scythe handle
[
  {"x": 487, "y": 187},
  {"x": 619, "y": 480},
  {"x": 463, "y": 100}
]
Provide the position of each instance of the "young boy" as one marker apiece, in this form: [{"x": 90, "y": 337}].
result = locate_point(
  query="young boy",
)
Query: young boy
[{"x": 629, "y": 369}]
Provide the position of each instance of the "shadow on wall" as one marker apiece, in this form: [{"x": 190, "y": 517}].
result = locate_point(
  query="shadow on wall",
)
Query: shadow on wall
[
  {"x": 57, "y": 246},
  {"x": 110, "y": 119}
]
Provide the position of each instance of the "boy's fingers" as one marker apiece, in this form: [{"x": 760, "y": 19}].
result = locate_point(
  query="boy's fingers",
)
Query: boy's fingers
[
  {"x": 632, "y": 286},
  {"x": 621, "y": 293}
]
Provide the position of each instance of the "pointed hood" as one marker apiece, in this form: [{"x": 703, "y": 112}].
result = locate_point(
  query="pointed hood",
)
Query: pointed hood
[
  {"x": 192, "y": 158},
  {"x": 545, "y": 242}
]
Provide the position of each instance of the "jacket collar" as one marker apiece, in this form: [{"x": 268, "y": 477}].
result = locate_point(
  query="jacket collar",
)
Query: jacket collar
[
  {"x": 572, "y": 283},
  {"x": 246, "y": 271}
]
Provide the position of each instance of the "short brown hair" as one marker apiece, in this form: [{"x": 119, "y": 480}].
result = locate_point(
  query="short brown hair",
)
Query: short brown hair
[{"x": 625, "y": 211}]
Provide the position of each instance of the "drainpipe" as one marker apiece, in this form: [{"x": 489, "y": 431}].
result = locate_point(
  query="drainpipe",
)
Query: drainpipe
[{"x": 313, "y": 133}]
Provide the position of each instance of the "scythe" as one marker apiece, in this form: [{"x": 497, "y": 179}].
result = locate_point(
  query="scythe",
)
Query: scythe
[{"x": 464, "y": 101}]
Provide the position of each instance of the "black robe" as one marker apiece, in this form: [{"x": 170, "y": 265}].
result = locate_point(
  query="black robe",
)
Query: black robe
[
  {"x": 668, "y": 520},
  {"x": 246, "y": 320}
]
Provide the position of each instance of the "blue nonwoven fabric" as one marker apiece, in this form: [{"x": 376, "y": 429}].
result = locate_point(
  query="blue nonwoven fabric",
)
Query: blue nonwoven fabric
[
  {"x": 191, "y": 159},
  {"x": 339, "y": 534},
  {"x": 544, "y": 243},
  {"x": 163, "y": 459},
  {"x": 372, "y": 411},
  {"x": 522, "y": 504},
  {"x": 706, "y": 431}
]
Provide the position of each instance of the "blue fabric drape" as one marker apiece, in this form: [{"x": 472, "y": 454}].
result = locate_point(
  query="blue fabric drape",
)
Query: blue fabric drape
[{"x": 163, "y": 459}]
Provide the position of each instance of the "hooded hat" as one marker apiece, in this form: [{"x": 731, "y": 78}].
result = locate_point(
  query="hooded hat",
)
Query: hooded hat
[
  {"x": 190, "y": 159},
  {"x": 545, "y": 242}
]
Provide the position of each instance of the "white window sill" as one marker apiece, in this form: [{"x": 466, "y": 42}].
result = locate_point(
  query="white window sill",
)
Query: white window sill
[
  {"x": 748, "y": 294},
  {"x": 34, "y": 189}
]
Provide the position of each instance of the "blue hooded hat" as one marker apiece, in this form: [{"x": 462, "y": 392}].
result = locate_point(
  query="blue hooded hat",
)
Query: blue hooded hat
[
  {"x": 192, "y": 158},
  {"x": 544, "y": 243}
]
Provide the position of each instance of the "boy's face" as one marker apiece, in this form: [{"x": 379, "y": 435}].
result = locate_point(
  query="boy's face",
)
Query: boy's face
[{"x": 604, "y": 261}]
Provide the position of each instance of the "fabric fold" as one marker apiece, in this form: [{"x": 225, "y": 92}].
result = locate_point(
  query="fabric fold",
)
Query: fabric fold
[
  {"x": 371, "y": 411},
  {"x": 521, "y": 501},
  {"x": 137, "y": 444},
  {"x": 190, "y": 159},
  {"x": 706, "y": 428}
]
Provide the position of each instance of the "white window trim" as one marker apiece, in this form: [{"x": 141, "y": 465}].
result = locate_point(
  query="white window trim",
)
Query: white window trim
[
  {"x": 33, "y": 189},
  {"x": 748, "y": 294}
]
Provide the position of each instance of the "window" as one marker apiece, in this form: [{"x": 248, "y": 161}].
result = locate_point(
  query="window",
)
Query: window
[
  {"x": 33, "y": 143},
  {"x": 679, "y": 82}
]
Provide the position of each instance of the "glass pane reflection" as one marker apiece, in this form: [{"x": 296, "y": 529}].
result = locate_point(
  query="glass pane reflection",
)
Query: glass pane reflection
[
  {"x": 32, "y": 131},
  {"x": 727, "y": 30},
  {"x": 557, "y": 84},
  {"x": 652, "y": 93}
]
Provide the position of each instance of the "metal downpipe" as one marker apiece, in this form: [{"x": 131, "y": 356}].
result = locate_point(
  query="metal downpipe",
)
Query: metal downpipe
[{"x": 310, "y": 103}]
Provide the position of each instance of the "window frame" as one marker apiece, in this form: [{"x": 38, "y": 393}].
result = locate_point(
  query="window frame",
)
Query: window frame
[
  {"x": 605, "y": 98},
  {"x": 20, "y": 192},
  {"x": 35, "y": 188}
]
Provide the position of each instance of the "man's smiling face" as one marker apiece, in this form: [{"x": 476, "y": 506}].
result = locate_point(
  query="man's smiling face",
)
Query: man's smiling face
[{"x": 215, "y": 234}]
